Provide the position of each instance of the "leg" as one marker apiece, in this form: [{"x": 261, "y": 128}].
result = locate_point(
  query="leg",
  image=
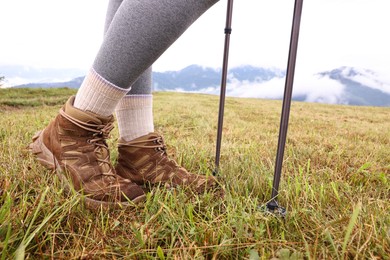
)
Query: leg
[
  {"x": 139, "y": 33},
  {"x": 135, "y": 120},
  {"x": 134, "y": 112},
  {"x": 75, "y": 141},
  {"x": 143, "y": 85}
]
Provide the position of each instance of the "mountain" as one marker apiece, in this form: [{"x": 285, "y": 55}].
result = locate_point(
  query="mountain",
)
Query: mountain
[
  {"x": 74, "y": 83},
  {"x": 195, "y": 78},
  {"x": 362, "y": 87},
  {"x": 343, "y": 85},
  {"x": 184, "y": 79},
  {"x": 18, "y": 75}
]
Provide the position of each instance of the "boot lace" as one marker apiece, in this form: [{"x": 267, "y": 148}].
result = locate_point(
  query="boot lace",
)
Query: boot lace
[
  {"x": 158, "y": 145},
  {"x": 99, "y": 136}
]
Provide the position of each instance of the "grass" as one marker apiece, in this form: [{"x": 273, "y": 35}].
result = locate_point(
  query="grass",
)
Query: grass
[
  {"x": 33, "y": 97},
  {"x": 335, "y": 185}
]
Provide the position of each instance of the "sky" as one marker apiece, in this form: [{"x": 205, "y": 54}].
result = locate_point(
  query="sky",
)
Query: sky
[{"x": 334, "y": 33}]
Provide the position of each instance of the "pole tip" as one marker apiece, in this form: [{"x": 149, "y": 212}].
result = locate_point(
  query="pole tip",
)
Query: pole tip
[{"x": 273, "y": 208}]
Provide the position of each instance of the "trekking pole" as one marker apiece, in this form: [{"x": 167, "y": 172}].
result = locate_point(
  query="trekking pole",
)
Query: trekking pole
[
  {"x": 272, "y": 205},
  {"x": 228, "y": 31}
]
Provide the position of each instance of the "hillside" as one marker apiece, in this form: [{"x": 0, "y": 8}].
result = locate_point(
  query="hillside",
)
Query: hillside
[{"x": 335, "y": 185}]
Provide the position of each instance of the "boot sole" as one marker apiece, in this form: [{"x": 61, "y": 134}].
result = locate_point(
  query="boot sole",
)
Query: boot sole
[{"x": 47, "y": 159}]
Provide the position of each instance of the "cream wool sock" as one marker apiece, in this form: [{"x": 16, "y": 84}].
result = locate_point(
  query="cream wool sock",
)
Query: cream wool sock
[
  {"x": 135, "y": 116},
  {"x": 97, "y": 95}
]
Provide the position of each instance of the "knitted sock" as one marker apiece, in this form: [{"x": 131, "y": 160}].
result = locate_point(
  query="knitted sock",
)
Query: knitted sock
[
  {"x": 97, "y": 95},
  {"x": 135, "y": 116}
]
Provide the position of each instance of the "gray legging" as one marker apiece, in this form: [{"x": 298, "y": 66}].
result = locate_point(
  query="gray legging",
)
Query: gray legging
[
  {"x": 137, "y": 32},
  {"x": 143, "y": 85}
]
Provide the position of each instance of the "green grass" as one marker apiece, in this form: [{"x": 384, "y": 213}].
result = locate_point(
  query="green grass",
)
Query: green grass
[
  {"x": 335, "y": 185},
  {"x": 33, "y": 97}
]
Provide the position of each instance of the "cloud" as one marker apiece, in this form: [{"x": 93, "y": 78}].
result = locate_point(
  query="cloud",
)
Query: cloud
[
  {"x": 320, "y": 89},
  {"x": 375, "y": 80}
]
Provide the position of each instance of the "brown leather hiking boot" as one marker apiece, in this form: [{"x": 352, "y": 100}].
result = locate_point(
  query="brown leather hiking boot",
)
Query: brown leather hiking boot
[
  {"x": 74, "y": 145},
  {"x": 145, "y": 161}
]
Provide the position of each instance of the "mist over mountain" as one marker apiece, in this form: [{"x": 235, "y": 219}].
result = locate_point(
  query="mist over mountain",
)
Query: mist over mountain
[
  {"x": 18, "y": 75},
  {"x": 343, "y": 85},
  {"x": 362, "y": 87}
]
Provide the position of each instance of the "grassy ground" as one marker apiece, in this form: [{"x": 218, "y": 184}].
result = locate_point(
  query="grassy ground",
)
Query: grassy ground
[{"x": 335, "y": 185}]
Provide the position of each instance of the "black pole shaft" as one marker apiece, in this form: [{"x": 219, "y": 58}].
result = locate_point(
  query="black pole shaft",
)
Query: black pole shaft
[
  {"x": 228, "y": 31},
  {"x": 286, "y": 101}
]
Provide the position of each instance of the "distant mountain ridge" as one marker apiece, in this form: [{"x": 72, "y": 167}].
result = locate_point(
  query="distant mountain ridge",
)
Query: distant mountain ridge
[
  {"x": 194, "y": 77},
  {"x": 356, "y": 92},
  {"x": 343, "y": 85},
  {"x": 74, "y": 83},
  {"x": 19, "y": 75}
]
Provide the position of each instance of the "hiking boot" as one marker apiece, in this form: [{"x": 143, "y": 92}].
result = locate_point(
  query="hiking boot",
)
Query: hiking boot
[
  {"x": 145, "y": 162},
  {"x": 74, "y": 145}
]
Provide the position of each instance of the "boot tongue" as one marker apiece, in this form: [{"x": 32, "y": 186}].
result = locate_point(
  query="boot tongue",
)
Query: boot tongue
[
  {"x": 86, "y": 116},
  {"x": 141, "y": 139},
  {"x": 148, "y": 137}
]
